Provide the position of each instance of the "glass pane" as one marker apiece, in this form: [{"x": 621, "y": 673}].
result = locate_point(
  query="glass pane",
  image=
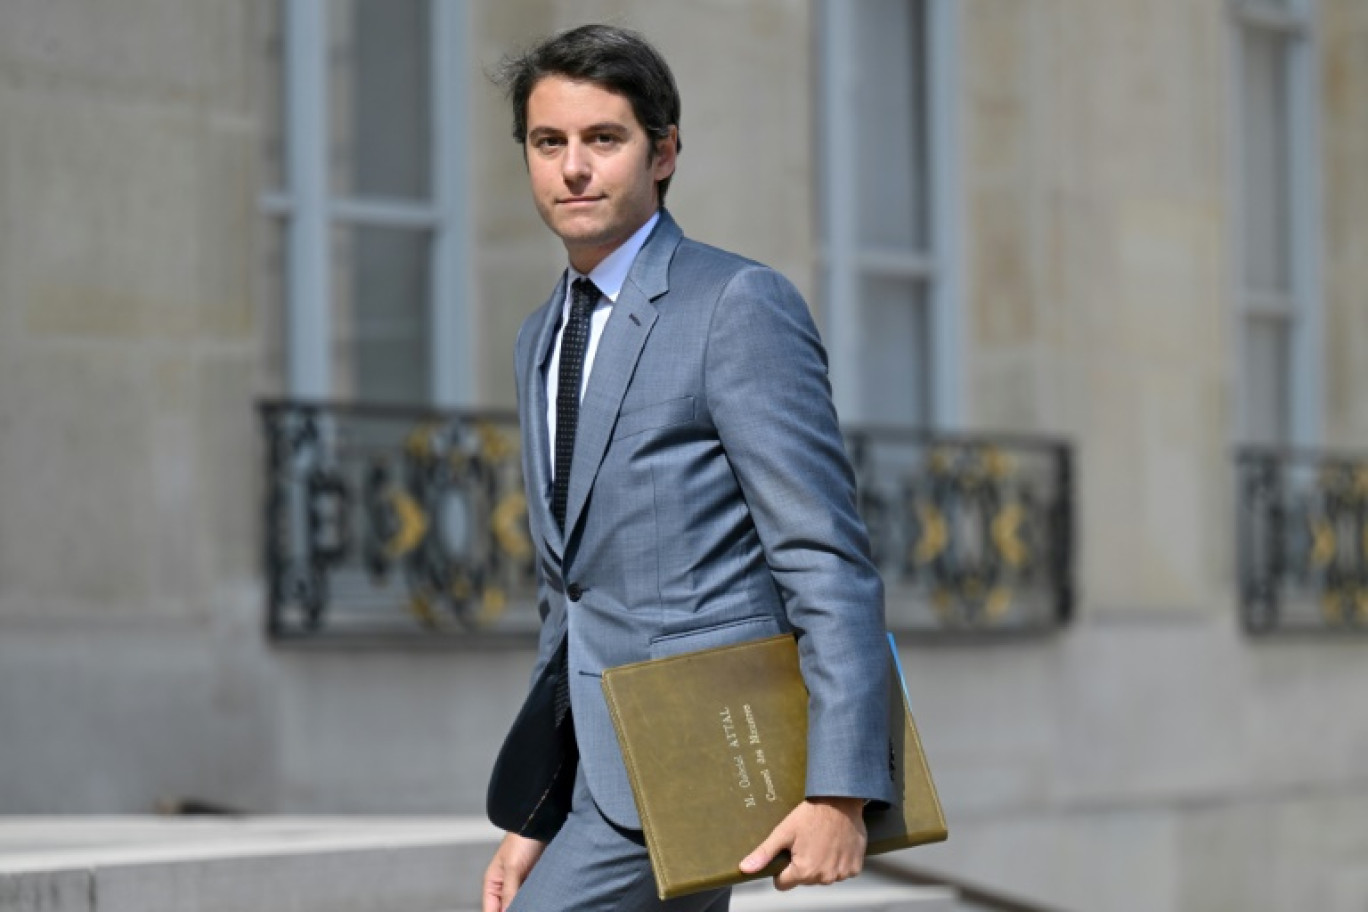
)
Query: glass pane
[
  {"x": 273, "y": 91},
  {"x": 1267, "y": 381},
  {"x": 1265, "y": 161},
  {"x": 895, "y": 365},
  {"x": 380, "y": 318},
  {"x": 380, "y": 98},
  {"x": 891, "y": 148}
]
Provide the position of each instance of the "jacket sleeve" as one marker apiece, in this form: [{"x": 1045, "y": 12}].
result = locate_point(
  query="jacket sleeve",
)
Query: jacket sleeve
[{"x": 767, "y": 390}]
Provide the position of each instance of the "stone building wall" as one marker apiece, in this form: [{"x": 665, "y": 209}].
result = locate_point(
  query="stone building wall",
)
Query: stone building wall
[
  {"x": 1099, "y": 305},
  {"x": 131, "y": 339}
]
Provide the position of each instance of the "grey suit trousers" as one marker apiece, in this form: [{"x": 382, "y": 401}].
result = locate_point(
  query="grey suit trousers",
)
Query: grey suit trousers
[{"x": 595, "y": 866}]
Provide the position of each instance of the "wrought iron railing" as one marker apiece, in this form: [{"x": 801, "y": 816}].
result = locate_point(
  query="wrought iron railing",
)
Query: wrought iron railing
[
  {"x": 972, "y": 533},
  {"x": 388, "y": 520},
  {"x": 1303, "y": 541}
]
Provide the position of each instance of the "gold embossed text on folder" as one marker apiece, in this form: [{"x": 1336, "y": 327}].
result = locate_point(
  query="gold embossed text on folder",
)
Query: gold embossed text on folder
[{"x": 715, "y": 744}]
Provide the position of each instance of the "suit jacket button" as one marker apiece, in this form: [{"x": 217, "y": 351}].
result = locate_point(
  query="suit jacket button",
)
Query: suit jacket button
[{"x": 574, "y": 590}]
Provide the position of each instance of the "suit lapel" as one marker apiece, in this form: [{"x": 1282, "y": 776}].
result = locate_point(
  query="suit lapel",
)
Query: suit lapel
[
  {"x": 535, "y": 432},
  {"x": 618, "y": 350},
  {"x": 615, "y": 360}
]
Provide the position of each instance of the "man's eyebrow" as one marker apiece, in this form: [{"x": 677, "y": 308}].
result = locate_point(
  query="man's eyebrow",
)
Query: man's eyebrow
[
  {"x": 541, "y": 131},
  {"x": 607, "y": 126}
]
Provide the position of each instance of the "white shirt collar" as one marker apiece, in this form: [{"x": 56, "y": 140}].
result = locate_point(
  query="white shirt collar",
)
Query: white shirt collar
[{"x": 610, "y": 274}]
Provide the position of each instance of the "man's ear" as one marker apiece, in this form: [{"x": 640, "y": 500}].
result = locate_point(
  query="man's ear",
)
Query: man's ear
[{"x": 666, "y": 154}]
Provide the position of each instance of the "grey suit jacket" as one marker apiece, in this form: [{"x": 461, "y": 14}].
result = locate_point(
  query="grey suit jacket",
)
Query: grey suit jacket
[{"x": 710, "y": 502}]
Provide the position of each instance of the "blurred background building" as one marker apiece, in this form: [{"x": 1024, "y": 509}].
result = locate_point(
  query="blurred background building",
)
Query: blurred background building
[{"x": 1092, "y": 277}]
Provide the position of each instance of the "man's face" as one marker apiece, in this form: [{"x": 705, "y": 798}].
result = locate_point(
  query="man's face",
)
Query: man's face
[{"x": 593, "y": 177}]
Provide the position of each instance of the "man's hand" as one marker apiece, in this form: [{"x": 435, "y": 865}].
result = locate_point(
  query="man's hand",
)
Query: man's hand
[
  {"x": 512, "y": 863},
  {"x": 825, "y": 838}
]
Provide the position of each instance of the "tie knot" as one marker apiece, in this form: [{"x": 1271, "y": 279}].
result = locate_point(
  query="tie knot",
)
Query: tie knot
[{"x": 583, "y": 294}]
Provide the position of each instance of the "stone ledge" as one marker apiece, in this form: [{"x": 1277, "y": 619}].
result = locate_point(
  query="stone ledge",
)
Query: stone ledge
[
  {"x": 309, "y": 864},
  {"x": 352, "y": 864}
]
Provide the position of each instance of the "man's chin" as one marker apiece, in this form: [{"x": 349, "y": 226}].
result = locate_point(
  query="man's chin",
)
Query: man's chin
[
  {"x": 579, "y": 225},
  {"x": 584, "y": 236}
]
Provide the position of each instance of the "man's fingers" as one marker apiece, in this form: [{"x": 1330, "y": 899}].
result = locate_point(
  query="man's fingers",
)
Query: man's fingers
[
  {"x": 493, "y": 888},
  {"x": 499, "y": 891},
  {"x": 513, "y": 861},
  {"x": 789, "y": 878},
  {"x": 781, "y": 838},
  {"x": 826, "y": 841},
  {"x": 800, "y": 873}
]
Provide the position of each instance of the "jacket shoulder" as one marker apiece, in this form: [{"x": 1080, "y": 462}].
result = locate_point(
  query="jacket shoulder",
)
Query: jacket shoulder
[
  {"x": 716, "y": 275},
  {"x": 696, "y": 255}
]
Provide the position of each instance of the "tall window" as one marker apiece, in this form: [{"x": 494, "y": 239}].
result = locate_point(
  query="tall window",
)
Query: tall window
[
  {"x": 1278, "y": 221},
  {"x": 368, "y": 176},
  {"x": 886, "y": 133}
]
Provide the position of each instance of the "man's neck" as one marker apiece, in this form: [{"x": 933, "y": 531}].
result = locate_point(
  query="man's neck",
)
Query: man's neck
[
  {"x": 585, "y": 260},
  {"x": 609, "y": 272}
]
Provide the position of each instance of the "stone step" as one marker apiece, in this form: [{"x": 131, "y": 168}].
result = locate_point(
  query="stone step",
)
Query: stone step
[
  {"x": 867, "y": 893},
  {"x": 311, "y": 864}
]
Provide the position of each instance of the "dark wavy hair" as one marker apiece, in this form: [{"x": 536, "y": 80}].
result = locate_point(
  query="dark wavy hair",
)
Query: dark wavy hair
[{"x": 613, "y": 58}]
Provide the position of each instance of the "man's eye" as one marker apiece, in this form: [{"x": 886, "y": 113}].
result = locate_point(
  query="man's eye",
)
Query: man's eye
[
  {"x": 547, "y": 143},
  {"x": 605, "y": 139}
]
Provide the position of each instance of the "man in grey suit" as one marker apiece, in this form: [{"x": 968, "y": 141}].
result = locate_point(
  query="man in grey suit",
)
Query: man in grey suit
[{"x": 686, "y": 486}]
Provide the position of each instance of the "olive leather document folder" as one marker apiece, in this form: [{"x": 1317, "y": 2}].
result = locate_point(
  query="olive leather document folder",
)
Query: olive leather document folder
[{"x": 715, "y": 744}]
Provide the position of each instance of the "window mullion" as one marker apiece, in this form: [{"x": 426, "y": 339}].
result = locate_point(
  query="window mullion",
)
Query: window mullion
[
  {"x": 1294, "y": 310},
  {"x": 384, "y": 213},
  {"x": 896, "y": 264},
  {"x": 946, "y": 292},
  {"x": 452, "y": 339},
  {"x": 1304, "y": 185},
  {"x": 839, "y": 192},
  {"x": 308, "y": 322}
]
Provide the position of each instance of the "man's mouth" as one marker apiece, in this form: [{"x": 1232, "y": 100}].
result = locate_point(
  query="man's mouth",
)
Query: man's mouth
[{"x": 580, "y": 200}]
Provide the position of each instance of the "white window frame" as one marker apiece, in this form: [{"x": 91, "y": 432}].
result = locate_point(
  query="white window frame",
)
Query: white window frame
[
  {"x": 1302, "y": 307},
  {"x": 941, "y": 267},
  {"x": 310, "y": 211}
]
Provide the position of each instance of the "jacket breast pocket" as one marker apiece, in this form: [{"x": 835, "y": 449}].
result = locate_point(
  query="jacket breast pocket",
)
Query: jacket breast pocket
[
  {"x": 725, "y": 634},
  {"x": 657, "y": 415}
]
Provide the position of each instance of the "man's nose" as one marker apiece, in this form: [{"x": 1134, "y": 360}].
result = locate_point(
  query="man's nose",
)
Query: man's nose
[{"x": 575, "y": 164}]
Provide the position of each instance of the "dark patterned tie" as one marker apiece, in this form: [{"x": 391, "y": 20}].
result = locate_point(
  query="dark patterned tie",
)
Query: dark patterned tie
[{"x": 574, "y": 343}]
